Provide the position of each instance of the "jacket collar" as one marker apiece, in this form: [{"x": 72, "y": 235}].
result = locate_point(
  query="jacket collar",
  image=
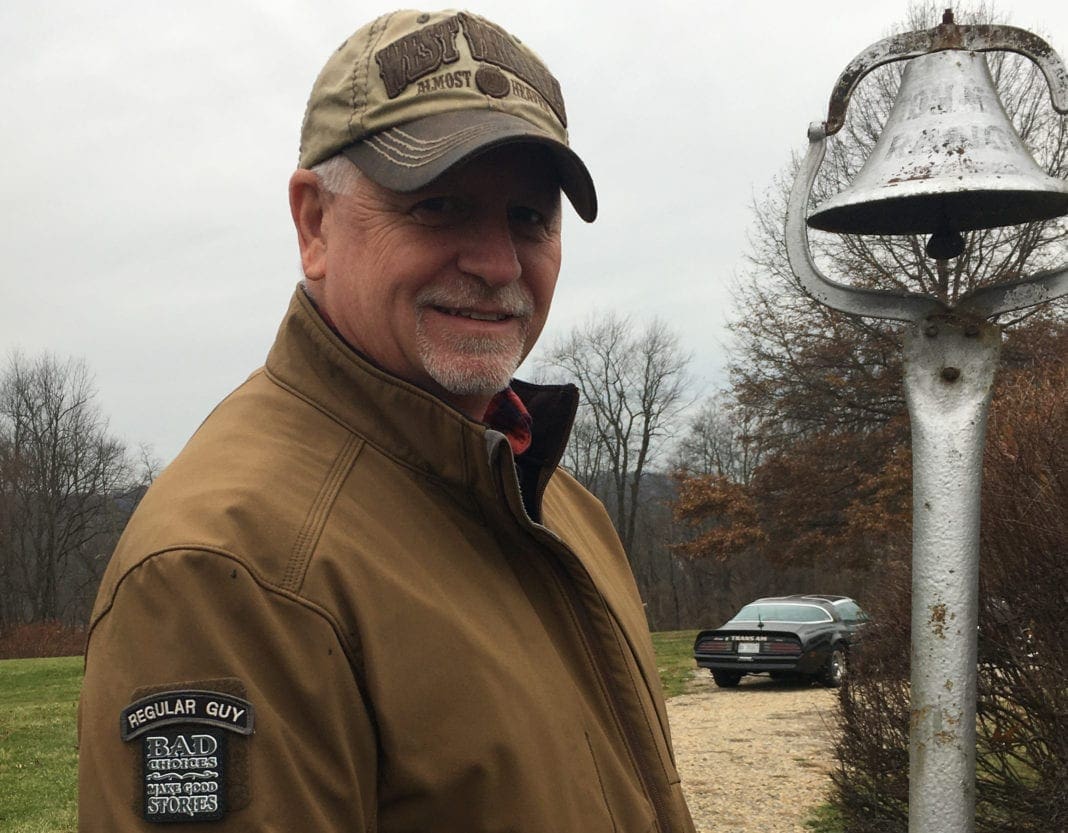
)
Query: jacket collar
[{"x": 404, "y": 421}]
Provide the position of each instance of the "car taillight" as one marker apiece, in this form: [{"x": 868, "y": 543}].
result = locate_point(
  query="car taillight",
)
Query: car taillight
[
  {"x": 785, "y": 647},
  {"x": 714, "y": 646}
]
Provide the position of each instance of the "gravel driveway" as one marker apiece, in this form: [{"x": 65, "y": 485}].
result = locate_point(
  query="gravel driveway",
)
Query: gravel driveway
[{"x": 756, "y": 758}]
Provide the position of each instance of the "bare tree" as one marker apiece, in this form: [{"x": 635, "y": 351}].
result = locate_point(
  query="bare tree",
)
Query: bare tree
[
  {"x": 718, "y": 441},
  {"x": 632, "y": 385},
  {"x": 61, "y": 474},
  {"x": 584, "y": 455}
]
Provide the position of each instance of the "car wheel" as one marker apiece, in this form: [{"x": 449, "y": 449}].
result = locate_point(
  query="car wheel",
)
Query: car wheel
[
  {"x": 726, "y": 679},
  {"x": 833, "y": 672}
]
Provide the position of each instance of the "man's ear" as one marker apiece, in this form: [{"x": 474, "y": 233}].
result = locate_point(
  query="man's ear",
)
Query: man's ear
[{"x": 307, "y": 205}]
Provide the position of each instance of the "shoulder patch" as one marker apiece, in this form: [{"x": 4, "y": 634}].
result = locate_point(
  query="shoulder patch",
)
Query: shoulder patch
[
  {"x": 185, "y": 732},
  {"x": 206, "y": 708}
]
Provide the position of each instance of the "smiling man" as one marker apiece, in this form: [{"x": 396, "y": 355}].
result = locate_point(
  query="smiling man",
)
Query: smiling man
[
  {"x": 447, "y": 286},
  {"x": 364, "y": 597}
]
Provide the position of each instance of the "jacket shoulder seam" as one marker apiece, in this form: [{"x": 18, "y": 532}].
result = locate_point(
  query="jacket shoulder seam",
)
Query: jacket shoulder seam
[
  {"x": 319, "y": 512},
  {"x": 352, "y": 651}
]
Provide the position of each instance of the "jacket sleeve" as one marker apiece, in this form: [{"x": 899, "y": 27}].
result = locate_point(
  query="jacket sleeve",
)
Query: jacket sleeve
[{"x": 191, "y": 620}]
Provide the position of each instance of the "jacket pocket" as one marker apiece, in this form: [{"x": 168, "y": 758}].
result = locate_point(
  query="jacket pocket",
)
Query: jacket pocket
[{"x": 634, "y": 816}]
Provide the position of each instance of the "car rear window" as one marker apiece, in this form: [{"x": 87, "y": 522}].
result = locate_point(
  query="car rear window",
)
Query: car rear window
[
  {"x": 782, "y": 613},
  {"x": 850, "y": 611}
]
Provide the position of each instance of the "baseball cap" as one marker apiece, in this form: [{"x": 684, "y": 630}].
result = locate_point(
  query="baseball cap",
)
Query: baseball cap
[{"x": 413, "y": 94}]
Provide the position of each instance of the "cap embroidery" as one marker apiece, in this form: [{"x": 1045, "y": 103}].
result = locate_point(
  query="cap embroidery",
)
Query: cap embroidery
[
  {"x": 495, "y": 46},
  {"x": 419, "y": 54},
  {"x": 445, "y": 81},
  {"x": 402, "y": 148}
]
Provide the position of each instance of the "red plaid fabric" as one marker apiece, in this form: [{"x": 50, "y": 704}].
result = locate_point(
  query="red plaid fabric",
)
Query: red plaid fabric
[{"x": 507, "y": 413}]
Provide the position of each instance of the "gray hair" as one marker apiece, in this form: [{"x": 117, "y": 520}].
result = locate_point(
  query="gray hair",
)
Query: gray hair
[{"x": 337, "y": 175}]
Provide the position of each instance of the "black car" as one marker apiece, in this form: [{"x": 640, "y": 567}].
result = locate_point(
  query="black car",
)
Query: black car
[{"x": 806, "y": 637}]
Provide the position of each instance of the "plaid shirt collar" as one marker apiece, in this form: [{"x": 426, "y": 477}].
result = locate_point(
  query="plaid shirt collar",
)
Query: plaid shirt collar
[{"x": 507, "y": 413}]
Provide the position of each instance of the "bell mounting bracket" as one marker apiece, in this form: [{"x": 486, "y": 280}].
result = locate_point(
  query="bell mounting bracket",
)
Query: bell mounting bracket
[{"x": 939, "y": 39}]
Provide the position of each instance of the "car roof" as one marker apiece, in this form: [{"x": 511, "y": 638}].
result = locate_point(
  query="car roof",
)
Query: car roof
[{"x": 803, "y": 598}]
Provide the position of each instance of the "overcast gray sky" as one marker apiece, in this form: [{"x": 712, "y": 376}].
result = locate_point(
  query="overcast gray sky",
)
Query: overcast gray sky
[{"x": 147, "y": 147}]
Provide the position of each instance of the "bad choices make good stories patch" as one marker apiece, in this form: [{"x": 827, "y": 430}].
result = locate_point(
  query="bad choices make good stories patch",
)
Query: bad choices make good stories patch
[{"x": 184, "y": 733}]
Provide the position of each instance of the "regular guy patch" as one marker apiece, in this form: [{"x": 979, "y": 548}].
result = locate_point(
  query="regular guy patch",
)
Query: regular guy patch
[{"x": 184, "y": 738}]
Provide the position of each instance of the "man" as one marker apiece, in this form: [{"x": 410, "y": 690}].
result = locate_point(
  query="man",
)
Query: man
[{"x": 363, "y": 597}]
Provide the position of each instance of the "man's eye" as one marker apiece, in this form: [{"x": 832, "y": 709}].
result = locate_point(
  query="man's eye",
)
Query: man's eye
[
  {"x": 527, "y": 216},
  {"x": 438, "y": 210}
]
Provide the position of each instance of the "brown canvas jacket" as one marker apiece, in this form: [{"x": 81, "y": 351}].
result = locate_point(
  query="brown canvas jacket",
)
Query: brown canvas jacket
[{"x": 354, "y": 560}]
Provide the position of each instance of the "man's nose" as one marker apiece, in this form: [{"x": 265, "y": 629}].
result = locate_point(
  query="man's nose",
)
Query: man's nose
[{"x": 490, "y": 253}]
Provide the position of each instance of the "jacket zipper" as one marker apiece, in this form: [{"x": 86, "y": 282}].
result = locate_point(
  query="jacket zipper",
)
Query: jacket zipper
[
  {"x": 569, "y": 594},
  {"x": 628, "y": 731}
]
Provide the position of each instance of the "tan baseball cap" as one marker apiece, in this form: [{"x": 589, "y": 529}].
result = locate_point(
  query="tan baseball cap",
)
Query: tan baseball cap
[{"x": 412, "y": 94}]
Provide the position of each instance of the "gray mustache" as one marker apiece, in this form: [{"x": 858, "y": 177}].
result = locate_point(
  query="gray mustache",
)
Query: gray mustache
[{"x": 513, "y": 299}]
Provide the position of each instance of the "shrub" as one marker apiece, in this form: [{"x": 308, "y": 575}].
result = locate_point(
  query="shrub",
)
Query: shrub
[{"x": 42, "y": 639}]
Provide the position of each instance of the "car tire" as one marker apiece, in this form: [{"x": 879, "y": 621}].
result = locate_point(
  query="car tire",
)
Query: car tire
[
  {"x": 834, "y": 670},
  {"x": 726, "y": 679}
]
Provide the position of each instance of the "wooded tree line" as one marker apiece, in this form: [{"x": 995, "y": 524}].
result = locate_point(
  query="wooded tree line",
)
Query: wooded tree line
[{"x": 66, "y": 489}]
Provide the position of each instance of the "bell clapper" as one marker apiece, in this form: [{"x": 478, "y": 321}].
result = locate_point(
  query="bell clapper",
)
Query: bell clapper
[{"x": 945, "y": 244}]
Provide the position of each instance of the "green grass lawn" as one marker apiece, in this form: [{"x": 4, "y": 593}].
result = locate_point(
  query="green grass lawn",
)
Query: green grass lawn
[
  {"x": 38, "y": 756},
  {"x": 674, "y": 660}
]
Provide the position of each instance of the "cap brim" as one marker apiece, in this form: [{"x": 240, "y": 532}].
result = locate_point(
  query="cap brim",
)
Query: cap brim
[{"x": 412, "y": 155}]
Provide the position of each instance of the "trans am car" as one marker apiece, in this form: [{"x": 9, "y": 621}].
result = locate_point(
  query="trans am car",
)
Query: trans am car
[{"x": 805, "y": 637}]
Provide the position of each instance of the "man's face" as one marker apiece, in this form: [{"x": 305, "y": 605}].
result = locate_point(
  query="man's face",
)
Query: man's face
[{"x": 447, "y": 287}]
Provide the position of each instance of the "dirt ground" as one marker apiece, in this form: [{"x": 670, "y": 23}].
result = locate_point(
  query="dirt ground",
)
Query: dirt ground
[{"x": 754, "y": 759}]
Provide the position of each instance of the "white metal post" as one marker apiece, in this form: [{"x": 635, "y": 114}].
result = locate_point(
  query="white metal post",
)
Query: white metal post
[{"x": 949, "y": 374}]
